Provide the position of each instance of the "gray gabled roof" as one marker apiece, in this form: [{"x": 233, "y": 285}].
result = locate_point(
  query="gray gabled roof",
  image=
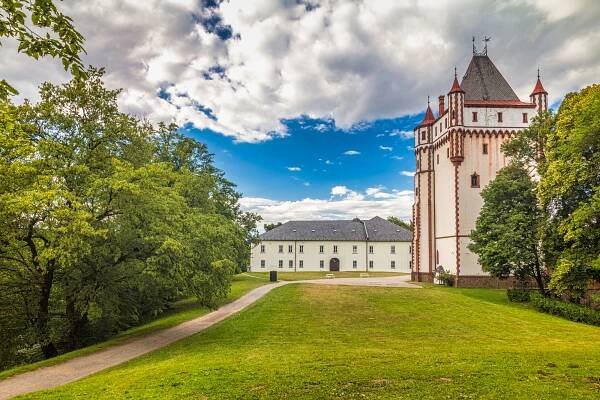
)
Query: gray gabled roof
[
  {"x": 483, "y": 81},
  {"x": 378, "y": 229}
]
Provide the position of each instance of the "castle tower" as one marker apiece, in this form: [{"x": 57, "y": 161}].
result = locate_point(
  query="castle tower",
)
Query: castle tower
[
  {"x": 458, "y": 153},
  {"x": 539, "y": 96}
]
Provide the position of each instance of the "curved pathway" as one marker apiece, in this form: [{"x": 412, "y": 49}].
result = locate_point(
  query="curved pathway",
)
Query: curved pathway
[{"x": 80, "y": 367}]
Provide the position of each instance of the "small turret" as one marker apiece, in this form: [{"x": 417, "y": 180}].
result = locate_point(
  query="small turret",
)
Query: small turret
[
  {"x": 539, "y": 96},
  {"x": 456, "y": 102}
]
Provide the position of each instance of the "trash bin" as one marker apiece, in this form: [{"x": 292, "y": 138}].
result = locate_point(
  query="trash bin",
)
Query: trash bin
[{"x": 273, "y": 276}]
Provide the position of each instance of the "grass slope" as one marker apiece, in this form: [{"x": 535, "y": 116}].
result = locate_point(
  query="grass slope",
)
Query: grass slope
[
  {"x": 182, "y": 311},
  {"x": 299, "y": 276},
  {"x": 321, "y": 342}
]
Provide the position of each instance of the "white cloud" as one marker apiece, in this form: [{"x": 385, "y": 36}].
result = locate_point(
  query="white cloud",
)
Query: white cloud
[
  {"x": 294, "y": 169},
  {"x": 383, "y": 204},
  {"x": 407, "y": 173},
  {"x": 351, "y": 153},
  {"x": 339, "y": 190},
  {"x": 402, "y": 134},
  {"x": 386, "y": 148},
  {"x": 398, "y": 158},
  {"x": 328, "y": 162},
  {"x": 347, "y": 62},
  {"x": 380, "y": 135}
]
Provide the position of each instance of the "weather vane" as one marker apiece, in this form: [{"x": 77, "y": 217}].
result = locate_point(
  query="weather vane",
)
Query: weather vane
[{"x": 485, "y": 42}]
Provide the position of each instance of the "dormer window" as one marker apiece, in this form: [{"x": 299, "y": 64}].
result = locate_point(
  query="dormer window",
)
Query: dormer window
[{"x": 474, "y": 180}]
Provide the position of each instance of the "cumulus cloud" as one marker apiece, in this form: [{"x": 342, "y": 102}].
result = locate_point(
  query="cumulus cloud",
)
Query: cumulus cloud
[
  {"x": 373, "y": 202},
  {"x": 407, "y": 173},
  {"x": 351, "y": 153},
  {"x": 402, "y": 134},
  {"x": 386, "y": 148},
  {"x": 241, "y": 67},
  {"x": 294, "y": 169}
]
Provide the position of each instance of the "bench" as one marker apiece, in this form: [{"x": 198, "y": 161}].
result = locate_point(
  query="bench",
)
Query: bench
[
  {"x": 364, "y": 275},
  {"x": 329, "y": 276}
]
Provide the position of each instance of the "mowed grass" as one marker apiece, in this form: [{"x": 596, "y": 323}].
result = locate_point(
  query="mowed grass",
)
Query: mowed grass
[
  {"x": 300, "y": 276},
  {"x": 321, "y": 342},
  {"x": 181, "y": 311}
]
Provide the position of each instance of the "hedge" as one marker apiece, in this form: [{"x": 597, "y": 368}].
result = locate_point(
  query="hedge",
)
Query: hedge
[{"x": 573, "y": 312}]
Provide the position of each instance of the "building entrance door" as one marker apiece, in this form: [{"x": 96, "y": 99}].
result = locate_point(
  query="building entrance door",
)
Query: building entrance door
[{"x": 334, "y": 264}]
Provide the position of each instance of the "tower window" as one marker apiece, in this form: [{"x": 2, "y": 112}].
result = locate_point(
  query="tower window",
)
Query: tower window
[
  {"x": 423, "y": 135},
  {"x": 438, "y": 158},
  {"x": 499, "y": 117},
  {"x": 474, "y": 116},
  {"x": 525, "y": 118},
  {"x": 485, "y": 148},
  {"x": 475, "y": 181},
  {"x": 447, "y": 152}
]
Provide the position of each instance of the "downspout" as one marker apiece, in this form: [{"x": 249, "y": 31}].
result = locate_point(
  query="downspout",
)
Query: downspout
[
  {"x": 295, "y": 255},
  {"x": 366, "y": 246}
]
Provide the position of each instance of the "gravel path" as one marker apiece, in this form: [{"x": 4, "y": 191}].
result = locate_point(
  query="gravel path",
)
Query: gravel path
[{"x": 80, "y": 367}]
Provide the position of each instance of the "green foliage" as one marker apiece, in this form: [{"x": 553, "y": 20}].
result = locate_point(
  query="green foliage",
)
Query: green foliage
[
  {"x": 569, "y": 190},
  {"x": 518, "y": 295},
  {"x": 105, "y": 220},
  {"x": 40, "y": 30},
  {"x": 274, "y": 225},
  {"x": 400, "y": 222},
  {"x": 507, "y": 231},
  {"x": 570, "y": 311},
  {"x": 446, "y": 278}
]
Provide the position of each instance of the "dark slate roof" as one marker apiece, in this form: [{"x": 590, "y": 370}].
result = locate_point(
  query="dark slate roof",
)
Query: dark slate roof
[
  {"x": 379, "y": 230},
  {"x": 483, "y": 81}
]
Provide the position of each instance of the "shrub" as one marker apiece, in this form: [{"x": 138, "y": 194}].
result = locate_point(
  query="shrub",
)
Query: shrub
[
  {"x": 446, "y": 278},
  {"x": 518, "y": 295},
  {"x": 573, "y": 312}
]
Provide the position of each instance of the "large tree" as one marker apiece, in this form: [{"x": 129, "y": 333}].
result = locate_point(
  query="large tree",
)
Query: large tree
[
  {"x": 570, "y": 190},
  {"x": 506, "y": 235},
  {"x": 400, "y": 222}
]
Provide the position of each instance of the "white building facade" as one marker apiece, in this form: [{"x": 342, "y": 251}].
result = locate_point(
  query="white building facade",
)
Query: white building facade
[
  {"x": 458, "y": 152},
  {"x": 374, "y": 245}
]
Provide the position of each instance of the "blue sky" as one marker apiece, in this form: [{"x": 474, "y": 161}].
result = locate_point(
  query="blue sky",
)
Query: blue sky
[
  {"x": 316, "y": 156},
  {"x": 271, "y": 85}
]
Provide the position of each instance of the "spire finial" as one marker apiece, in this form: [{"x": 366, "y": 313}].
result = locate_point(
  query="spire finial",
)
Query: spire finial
[
  {"x": 428, "y": 100},
  {"x": 455, "y": 71},
  {"x": 538, "y": 72}
]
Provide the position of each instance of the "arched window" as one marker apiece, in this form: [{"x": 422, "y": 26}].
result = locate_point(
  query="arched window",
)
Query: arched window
[{"x": 474, "y": 180}]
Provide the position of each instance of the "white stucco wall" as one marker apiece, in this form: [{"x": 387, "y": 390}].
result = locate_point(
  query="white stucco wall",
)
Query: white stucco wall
[{"x": 311, "y": 256}]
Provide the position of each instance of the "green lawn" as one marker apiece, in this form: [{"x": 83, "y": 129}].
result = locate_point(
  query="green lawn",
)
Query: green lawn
[
  {"x": 320, "y": 342},
  {"x": 299, "y": 276},
  {"x": 182, "y": 311}
]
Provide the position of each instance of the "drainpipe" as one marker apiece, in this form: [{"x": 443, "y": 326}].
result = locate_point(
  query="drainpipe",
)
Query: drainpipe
[
  {"x": 295, "y": 261},
  {"x": 366, "y": 245}
]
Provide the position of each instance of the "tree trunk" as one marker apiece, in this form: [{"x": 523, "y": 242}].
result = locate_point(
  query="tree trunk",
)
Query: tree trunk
[
  {"x": 43, "y": 315},
  {"x": 76, "y": 324}
]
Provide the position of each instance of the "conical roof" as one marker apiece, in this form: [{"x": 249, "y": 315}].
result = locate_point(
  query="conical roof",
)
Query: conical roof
[
  {"x": 483, "y": 81},
  {"x": 539, "y": 88},
  {"x": 429, "y": 118}
]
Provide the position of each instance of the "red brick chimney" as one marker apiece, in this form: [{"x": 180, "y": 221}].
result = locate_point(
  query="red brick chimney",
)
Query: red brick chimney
[{"x": 441, "y": 99}]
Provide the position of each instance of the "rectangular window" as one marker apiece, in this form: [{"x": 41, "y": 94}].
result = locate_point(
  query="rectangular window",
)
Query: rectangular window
[
  {"x": 321, "y": 249},
  {"x": 485, "y": 148},
  {"x": 499, "y": 117},
  {"x": 423, "y": 135},
  {"x": 354, "y": 264},
  {"x": 291, "y": 264},
  {"x": 280, "y": 263},
  {"x": 474, "y": 181},
  {"x": 474, "y": 116},
  {"x": 335, "y": 249},
  {"x": 262, "y": 263},
  {"x": 393, "y": 265},
  {"x": 393, "y": 249},
  {"x": 371, "y": 249},
  {"x": 354, "y": 249},
  {"x": 447, "y": 152},
  {"x": 262, "y": 248},
  {"x": 301, "y": 248},
  {"x": 438, "y": 158},
  {"x": 525, "y": 118},
  {"x": 281, "y": 248},
  {"x": 445, "y": 122},
  {"x": 290, "y": 249},
  {"x": 371, "y": 264},
  {"x": 301, "y": 263},
  {"x": 321, "y": 264}
]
